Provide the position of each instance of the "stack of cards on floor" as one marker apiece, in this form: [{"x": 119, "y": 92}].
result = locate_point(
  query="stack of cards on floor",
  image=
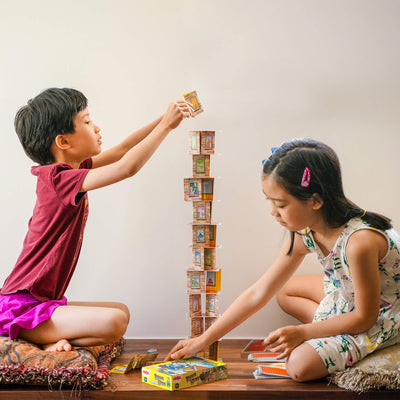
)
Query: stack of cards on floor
[
  {"x": 265, "y": 357},
  {"x": 271, "y": 371},
  {"x": 275, "y": 368}
]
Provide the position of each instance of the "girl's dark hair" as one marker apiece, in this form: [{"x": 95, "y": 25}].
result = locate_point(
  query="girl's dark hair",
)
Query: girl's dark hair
[
  {"x": 287, "y": 165},
  {"x": 49, "y": 114}
]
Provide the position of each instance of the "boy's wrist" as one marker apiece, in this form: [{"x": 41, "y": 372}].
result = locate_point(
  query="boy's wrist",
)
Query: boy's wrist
[{"x": 164, "y": 126}]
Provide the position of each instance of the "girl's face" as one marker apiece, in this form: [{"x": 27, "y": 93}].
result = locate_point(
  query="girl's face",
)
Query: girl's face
[{"x": 290, "y": 212}]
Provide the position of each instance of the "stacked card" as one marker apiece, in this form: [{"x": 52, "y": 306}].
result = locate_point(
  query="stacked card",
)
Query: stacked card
[
  {"x": 265, "y": 357},
  {"x": 275, "y": 369},
  {"x": 271, "y": 371}
]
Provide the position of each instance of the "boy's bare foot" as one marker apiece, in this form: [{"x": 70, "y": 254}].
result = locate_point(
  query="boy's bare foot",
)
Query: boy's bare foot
[{"x": 61, "y": 345}]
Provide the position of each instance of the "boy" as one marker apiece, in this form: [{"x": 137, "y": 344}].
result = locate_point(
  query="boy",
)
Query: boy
[{"x": 56, "y": 131}]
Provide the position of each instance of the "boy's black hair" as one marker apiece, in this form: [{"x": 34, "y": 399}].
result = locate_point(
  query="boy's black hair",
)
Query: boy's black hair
[
  {"x": 50, "y": 113},
  {"x": 287, "y": 165}
]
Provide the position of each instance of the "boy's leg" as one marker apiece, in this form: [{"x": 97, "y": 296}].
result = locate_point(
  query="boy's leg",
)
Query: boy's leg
[
  {"x": 305, "y": 364},
  {"x": 301, "y": 296},
  {"x": 107, "y": 304},
  {"x": 80, "y": 326}
]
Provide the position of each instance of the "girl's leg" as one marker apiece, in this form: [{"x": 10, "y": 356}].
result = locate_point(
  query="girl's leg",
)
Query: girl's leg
[
  {"x": 79, "y": 325},
  {"x": 301, "y": 296},
  {"x": 304, "y": 364}
]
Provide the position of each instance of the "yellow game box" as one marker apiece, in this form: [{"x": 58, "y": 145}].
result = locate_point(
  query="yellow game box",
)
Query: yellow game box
[{"x": 180, "y": 374}]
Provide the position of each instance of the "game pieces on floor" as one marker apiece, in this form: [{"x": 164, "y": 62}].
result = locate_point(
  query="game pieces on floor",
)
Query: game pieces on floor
[{"x": 136, "y": 362}]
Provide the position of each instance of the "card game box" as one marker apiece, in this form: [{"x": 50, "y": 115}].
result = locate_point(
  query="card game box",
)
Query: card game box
[{"x": 180, "y": 374}]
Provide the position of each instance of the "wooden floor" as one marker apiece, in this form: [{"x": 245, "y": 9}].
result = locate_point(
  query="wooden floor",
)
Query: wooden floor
[{"x": 240, "y": 384}]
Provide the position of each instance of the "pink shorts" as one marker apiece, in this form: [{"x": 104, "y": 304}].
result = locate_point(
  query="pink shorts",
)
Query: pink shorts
[{"x": 22, "y": 310}]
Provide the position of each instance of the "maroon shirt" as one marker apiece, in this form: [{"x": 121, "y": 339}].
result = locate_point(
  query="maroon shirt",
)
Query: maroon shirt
[{"x": 52, "y": 245}]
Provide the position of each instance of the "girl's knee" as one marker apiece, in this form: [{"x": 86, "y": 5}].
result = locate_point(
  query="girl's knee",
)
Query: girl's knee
[
  {"x": 282, "y": 298},
  {"x": 295, "y": 367},
  {"x": 304, "y": 364}
]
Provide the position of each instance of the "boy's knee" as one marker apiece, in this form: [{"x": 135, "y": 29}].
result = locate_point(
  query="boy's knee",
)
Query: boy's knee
[
  {"x": 117, "y": 323},
  {"x": 126, "y": 311}
]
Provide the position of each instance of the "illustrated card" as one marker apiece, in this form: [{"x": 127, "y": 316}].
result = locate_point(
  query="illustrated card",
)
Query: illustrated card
[
  {"x": 193, "y": 189},
  {"x": 212, "y": 301},
  {"x": 255, "y": 345},
  {"x": 264, "y": 357},
  {"x": 193, "y": 99},
  {"x": 274, "y": 371},
  {"x": 197, "y": 326},
  {"x": 208, "y": 321},
  {"x": 195, "y": 304}
]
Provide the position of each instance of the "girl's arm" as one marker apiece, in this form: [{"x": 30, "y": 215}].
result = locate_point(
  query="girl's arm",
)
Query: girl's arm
[
  {"x": 134, "y": 159},
  {"x": 364, "y": 250},
  {"x": 249, "y": 302},
  {"x": 115, "y": 153}
]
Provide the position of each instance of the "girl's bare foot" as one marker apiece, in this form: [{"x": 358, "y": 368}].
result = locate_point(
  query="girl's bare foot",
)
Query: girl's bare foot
[{"x": 61, "y": 345}]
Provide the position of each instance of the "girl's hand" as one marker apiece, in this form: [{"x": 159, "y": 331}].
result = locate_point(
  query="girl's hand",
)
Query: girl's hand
[
  {"x": 176, "y": 112},
  {"x": 284, "y": 340},
  {"x": 185, "y": 348}
]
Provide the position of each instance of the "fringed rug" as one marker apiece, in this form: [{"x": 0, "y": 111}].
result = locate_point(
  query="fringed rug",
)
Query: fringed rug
[{"x": 380, "y": 370}]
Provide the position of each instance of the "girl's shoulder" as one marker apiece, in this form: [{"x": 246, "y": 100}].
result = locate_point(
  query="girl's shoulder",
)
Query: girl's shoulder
[
  {"x": 362, "y": 237},
  {"x": 308, "y": 240}
]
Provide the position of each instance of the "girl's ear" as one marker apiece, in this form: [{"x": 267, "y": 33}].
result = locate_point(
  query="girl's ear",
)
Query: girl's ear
[
  {"x": 61, "y": 142},
  {"x": 317, "y": 201}
]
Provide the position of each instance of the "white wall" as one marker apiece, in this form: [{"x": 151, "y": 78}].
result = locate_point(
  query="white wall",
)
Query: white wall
[{"x": 266, "y": 71}]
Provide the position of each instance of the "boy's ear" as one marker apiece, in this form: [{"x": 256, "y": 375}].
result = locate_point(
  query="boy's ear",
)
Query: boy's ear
[
  {"x": 61, "y": 141},
  {"x": 317, "y": 201}
]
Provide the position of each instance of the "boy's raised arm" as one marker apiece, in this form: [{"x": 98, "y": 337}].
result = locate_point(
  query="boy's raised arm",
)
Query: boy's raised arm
[
  {"x": 134, "y": 159},
  {"x": 117, "y": 152}
]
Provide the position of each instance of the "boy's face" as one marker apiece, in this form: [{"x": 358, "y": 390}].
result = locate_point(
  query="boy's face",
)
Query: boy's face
[{"x": 85, "y": 141}]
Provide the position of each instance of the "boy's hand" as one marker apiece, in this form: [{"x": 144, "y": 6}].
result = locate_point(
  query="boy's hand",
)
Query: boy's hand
[
  {"x": 176, "y": 112},
  {"x": 284, "y": 340},
  {"x": 185, "y": 348}
]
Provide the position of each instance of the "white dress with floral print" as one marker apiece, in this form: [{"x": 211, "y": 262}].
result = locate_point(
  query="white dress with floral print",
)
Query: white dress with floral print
[{"x": 344, "y": 350}]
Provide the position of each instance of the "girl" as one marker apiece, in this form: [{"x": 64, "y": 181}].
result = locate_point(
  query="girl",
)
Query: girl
[
  {"x": 57, "y": 132},
  {"x": 352, "y": 310}
]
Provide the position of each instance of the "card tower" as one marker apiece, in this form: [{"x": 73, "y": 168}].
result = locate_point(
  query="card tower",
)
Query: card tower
[{"x": 203, "y": 277}]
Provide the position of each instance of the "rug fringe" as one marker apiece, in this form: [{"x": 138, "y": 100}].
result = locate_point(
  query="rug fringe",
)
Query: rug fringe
[{"x": 362, "y": 381}]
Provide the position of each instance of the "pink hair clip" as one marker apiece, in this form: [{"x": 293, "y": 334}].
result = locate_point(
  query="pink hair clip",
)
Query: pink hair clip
[{"x": 305, "y": 182}]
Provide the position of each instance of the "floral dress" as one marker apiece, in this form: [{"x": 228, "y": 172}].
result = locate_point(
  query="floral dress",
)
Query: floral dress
[{"x": 339, "y": 352}]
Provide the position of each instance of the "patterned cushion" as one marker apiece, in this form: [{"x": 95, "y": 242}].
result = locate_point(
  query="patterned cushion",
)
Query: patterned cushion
[{"x": 22, "y": 362}]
